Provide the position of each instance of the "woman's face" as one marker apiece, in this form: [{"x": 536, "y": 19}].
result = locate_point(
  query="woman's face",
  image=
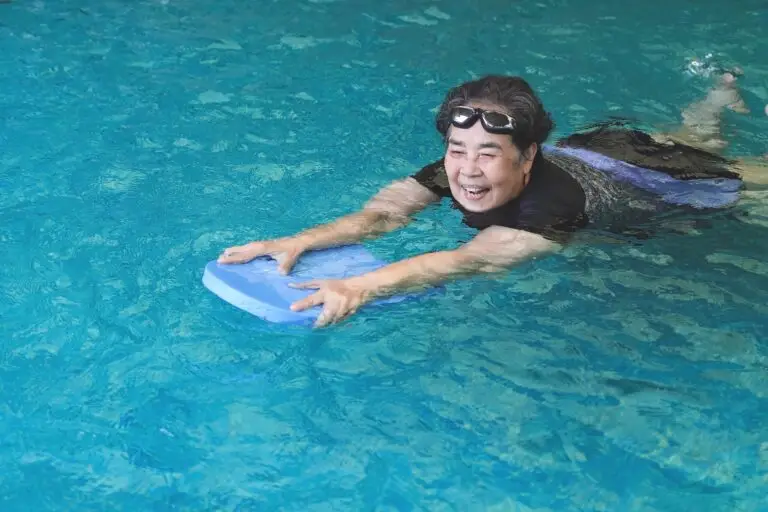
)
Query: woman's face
[{"x": 485, "y": 170}]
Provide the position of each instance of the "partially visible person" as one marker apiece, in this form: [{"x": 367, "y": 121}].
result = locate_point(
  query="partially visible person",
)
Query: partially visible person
[
  {"x": 524, "y": 202},
  {"x": 702, "y": 121}
]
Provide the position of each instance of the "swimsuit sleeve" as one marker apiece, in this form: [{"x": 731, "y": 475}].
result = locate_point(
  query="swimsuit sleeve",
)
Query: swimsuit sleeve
[{"x": 434, "y": 178}]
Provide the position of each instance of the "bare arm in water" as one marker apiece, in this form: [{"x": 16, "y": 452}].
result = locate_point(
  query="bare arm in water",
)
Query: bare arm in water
[
  {"x": 494, "y": 249},
  {"x": 390, "y": 209}
]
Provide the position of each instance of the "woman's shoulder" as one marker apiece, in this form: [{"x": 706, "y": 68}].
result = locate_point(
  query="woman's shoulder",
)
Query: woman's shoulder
[{"x": 433, "y": 177}]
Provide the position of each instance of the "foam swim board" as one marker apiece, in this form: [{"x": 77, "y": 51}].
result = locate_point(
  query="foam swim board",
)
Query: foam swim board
[{"x": 257, "y": 288}]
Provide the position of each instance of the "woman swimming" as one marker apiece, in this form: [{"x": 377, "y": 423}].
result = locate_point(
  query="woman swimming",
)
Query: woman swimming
[{"x": 526, "y": 200}]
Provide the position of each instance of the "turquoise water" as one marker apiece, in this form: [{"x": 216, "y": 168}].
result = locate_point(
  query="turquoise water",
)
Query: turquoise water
[{"x": 140, "y": 138}]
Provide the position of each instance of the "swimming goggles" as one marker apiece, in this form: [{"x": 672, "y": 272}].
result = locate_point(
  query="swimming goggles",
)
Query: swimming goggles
[{"x": 493, "y": 122}]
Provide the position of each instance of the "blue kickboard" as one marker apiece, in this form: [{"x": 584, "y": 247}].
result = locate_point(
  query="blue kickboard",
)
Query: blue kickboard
[{"x": 257, "y": 288}]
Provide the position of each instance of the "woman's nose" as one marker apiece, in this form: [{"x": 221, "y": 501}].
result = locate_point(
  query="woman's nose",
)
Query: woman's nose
[{"x": 470, "y": 168}]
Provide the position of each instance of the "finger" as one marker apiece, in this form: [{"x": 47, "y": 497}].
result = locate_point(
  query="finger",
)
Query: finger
[
  {"x": 240, "y": 253},
  {"x": 228, "y": 252},
  {"x": 231, "y": 256},
  {"x": 350, "y": 311},
  {"x": 286, "y": 261},
  {"x": 334, "y": 317},
  {"x": 314, "y": 285},
  {"x": 325, "y": 317},
  {"x": 346, "y": 313},
  {"x": 334, "y": 312},
  {"x": 308, "y": 302},
  {"x": 328, "y": 313}
]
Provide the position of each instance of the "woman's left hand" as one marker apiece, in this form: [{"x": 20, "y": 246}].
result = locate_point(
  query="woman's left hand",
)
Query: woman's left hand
[{"x": 340, "y": 298}]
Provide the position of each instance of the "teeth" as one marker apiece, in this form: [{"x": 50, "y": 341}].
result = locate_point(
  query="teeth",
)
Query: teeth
[{"x": 472, "y": 188}]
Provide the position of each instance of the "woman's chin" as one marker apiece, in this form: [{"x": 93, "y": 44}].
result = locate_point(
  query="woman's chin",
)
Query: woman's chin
[
  {"x": 475, "y": 205},
  {"x": 472, "y": 199}
]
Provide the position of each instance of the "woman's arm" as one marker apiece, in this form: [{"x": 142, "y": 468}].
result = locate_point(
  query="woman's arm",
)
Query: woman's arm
[
  {"x": 492, "y": 250},
  {"x": 388, "y": 210}
]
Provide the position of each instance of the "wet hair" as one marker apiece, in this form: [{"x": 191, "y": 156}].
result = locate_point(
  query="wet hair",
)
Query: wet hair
[{"x": 510, "y": 94}]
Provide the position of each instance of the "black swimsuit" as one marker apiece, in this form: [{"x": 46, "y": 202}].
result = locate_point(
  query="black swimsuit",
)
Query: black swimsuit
[
  {"x": 552, "y": 204},
  {"x": 565, "y": 193}
]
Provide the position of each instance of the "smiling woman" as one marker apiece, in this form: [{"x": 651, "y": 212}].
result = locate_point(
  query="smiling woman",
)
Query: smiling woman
[
  {"x": 524, "y": 201},
  {"x": 494, "y": 169}
]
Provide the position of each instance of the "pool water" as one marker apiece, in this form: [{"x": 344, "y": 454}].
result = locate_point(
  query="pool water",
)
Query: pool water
[{"x": 141, "y": 138}]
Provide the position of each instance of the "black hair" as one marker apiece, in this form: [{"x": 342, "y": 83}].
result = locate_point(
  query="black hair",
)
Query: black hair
[{"x": 510, "y": 93}]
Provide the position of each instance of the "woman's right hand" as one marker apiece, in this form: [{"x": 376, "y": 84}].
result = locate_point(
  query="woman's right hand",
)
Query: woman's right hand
[{"x": 285, "y": 250}]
